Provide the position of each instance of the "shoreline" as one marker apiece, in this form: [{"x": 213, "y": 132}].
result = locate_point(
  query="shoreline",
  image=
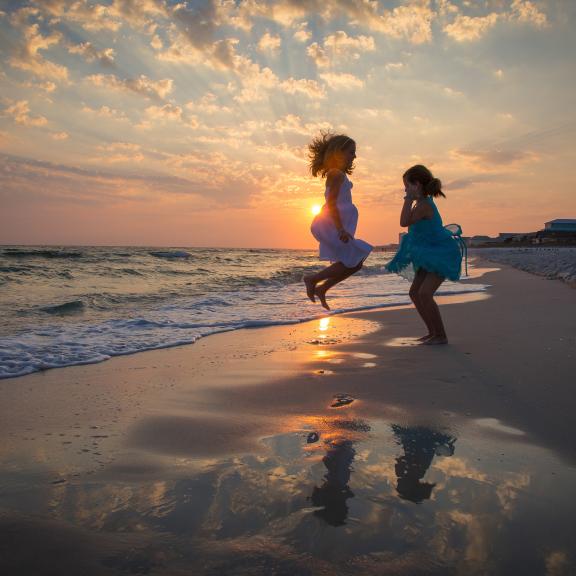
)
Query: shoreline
[{"x": 168, "y": 369}]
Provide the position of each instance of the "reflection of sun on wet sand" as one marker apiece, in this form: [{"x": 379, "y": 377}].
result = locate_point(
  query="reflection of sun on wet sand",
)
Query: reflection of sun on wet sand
[{"x": 228, "y": 454}]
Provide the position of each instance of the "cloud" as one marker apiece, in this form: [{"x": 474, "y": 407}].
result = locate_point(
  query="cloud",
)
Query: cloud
[
  {"x": 342, "y": 81},
  {"x": 165, "y": 112},
  {"x": 302, "y": 33},
  {"x": 469, "y": 181},
  {"x": 269, "y": 43},
  {"x": 91, "y": 54},
  {"x": 20, "y": 113},
  {"x": 491, "y": 158},
  {"x": 105, "y": 112},
  {"x": 60, "y": 135},
  {"x": 527, "y": 13},
  {"x": 412, "y": 22},
  {"x": 93, "y": 17},
  {"x": 34, "y": 181},
  {"x": 26, "y": 54},
  {"x": 467, "y": 29},
  {"x": 198, "y": 26},
  {"x": 256, "y": 82},
  {"x": 471, "y": 28},
  {"x": 119, "y": 152},
  {"x": 338, "y": 47},
  {"x": 142, "y": 85},
  {"x": 305, "y": 86},
  {"x": 207, "y": 105}
]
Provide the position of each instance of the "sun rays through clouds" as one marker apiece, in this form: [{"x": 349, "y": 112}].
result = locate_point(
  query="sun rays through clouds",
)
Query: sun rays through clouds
[{"x": 201, "y": 110}]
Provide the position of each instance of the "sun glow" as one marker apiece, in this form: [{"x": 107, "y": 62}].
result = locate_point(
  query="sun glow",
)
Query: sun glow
[{"x": 316, "y": 209}]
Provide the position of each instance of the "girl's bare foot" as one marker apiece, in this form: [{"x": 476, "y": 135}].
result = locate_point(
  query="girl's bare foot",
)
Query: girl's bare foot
[
  {"x": 321, "y": 293},
  {"x": 310, "y": 285},
  {"x": 424, "y": 338},
  {"x": 436, "y": 340}
]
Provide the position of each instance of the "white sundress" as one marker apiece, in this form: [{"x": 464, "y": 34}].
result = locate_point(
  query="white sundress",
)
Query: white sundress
[{"x": 350, "y": 253}]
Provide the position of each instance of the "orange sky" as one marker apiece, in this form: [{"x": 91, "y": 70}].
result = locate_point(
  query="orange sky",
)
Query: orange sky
[{"x": 186, "y": 124}]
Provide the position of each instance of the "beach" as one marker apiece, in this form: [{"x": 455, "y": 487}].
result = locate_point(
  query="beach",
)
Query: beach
[{"x": 334, "y": 446}]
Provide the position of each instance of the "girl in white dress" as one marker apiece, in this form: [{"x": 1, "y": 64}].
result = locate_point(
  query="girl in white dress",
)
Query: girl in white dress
[{"x": 332, "y": 157}]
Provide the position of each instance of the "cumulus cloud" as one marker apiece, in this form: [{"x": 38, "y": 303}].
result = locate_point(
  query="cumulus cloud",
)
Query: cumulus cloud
[
  {"x": 93, "y": 17},
  {"x": 20, "y": 113},
  {"x": 166, "y": 112},
  {"x": 91, "y": 54},
  {"x": 105, "y": 112},
  {"x": 208, "y": 104},
  {"x": 466, "y": 28},
  {"x": 528, "y": 13},
  {"x": 269, "y": 43},
  {"x": 142, "y": 85},
  {"x": 342, "y": 81},
  {"x": 302, "y": 34},
  {"x": 412, "y": 22},
  {"x": 339, "y": 46},
  {"x": 26, "y": 54},
  {"x": 119, "y": 152}
]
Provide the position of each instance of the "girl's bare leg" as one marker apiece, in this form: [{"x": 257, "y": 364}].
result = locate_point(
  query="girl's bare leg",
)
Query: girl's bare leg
[
  {"x": 426, "y": 294},
  {"x": 321, "y": 290},
  {"x": 414, "y": 296},
  {"x": 332, "y": 271}
]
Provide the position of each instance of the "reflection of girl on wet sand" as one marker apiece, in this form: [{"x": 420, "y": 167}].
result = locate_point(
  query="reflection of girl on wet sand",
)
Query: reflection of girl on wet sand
[
  {"x": 420, "y": 446},
  {"x": 332, "y": 495}
]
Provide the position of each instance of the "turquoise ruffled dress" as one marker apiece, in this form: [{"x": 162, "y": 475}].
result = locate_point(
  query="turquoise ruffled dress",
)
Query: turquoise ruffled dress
[{"x": 431, "y": 246}]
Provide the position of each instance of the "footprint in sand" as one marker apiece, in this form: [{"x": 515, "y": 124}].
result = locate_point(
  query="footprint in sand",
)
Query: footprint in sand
[{"x": 341, "y": 400}]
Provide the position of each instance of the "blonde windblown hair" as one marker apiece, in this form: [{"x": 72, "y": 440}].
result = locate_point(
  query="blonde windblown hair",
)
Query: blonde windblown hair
[{"x": 325, "y": 153}]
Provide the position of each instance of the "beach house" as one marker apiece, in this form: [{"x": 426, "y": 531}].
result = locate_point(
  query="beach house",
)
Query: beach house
[{"x": 561, "y": 225}]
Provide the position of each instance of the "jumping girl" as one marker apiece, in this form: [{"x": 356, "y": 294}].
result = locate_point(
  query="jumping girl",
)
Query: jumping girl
[
  {"x": 332, "y": 157},
  {"x": 428, "y": 253}
]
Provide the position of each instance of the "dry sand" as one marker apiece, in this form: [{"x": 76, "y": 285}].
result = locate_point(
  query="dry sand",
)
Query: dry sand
[{"x": 510, "y": 364}]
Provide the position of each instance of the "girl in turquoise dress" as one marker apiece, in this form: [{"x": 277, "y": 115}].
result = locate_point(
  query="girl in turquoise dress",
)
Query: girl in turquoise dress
[{"x": 429, "y": 253}]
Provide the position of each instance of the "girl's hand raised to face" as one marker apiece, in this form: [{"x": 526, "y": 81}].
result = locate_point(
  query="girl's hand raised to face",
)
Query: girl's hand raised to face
[{"x": 413, "y": 190}]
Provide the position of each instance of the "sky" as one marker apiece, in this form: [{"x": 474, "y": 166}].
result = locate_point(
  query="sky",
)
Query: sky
[{"x": 186, "y": 123}]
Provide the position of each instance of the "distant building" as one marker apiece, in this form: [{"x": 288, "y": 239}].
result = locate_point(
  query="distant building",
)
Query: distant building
[
  {"x": 561, "y": 225},
  {"x": 511, "y": 236},
  {"x": 479, "y": 240}
]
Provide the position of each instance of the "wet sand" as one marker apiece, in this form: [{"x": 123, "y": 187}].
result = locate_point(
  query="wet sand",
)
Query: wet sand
[{"x": 330, "y": 447}]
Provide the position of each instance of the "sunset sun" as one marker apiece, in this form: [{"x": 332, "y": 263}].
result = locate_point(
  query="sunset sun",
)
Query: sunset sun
[{"x": 316, "y": 209}]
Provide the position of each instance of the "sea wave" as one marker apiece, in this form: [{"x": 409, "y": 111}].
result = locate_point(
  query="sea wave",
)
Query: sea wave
[
  {"x": 40, "y": 253},
  {"x": 73, "y": 307},
  {"x": 171, "y": 254},
  {"x": 182, "y": 323}
]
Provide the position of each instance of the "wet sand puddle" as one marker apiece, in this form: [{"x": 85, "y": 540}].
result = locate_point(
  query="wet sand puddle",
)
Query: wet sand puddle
[{"x": 338, "y": 495}]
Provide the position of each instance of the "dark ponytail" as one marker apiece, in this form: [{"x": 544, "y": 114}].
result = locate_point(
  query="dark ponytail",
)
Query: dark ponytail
[{"x": 430, "y": 186}]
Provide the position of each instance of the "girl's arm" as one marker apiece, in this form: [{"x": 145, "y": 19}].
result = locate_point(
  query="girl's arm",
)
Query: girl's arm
[
  {"x": 410, "y": 215},
  {"x": 334, "y": 180}
]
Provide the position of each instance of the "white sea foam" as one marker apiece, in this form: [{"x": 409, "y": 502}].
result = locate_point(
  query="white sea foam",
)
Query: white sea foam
[{"x": 184, "y": 320}]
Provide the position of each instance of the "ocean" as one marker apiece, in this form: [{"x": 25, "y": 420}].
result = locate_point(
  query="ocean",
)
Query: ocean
[{"x": 63, "y": 306}]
